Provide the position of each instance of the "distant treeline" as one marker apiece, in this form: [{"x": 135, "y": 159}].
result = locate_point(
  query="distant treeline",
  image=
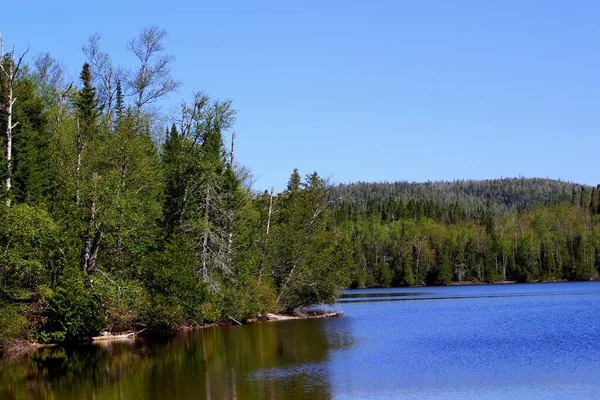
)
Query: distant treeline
[{"x": 437, "y": 233}]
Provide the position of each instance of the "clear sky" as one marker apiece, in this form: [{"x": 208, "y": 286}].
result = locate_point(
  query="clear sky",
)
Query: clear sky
[{"x": 368, "y": 90}]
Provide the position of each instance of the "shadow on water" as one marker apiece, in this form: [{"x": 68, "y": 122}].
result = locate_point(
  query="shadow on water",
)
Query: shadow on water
[
  {"x": 266, "y": 360},
  {"x": 387, "y": 297},
  {"x": 385, "y": 294}
]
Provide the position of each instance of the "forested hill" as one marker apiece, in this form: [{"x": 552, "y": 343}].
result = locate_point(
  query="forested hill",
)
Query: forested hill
[
  {"x": 439, "y": 232},
  {"x": 468, "y": 197}
]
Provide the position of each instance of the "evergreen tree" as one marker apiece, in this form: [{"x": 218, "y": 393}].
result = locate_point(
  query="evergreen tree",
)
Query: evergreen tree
[
  {"x": 120, "y": 103},
  {"x": 174, "y": 162},
  {"x": 87, "y": 104},
  {"x": 294, "y": 181}
]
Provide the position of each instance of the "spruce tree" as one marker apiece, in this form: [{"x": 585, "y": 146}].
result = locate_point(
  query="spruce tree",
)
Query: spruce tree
[
  {"x": 120, "y": 103},
  {"x": 294, "y": 181},
  {"x": 175, "y": 181},
  {"x": 87, "y": 103}
]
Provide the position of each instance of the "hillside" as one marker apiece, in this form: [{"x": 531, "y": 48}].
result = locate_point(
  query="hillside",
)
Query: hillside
[
  {"x": 469, "y": 196},
  {"x": 440, "y": 232}
]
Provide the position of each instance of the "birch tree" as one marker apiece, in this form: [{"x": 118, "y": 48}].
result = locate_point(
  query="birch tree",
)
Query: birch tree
[
  {"x": 10, "y": 65},
  {"x": 152, "y": 79},
  {"x": 105, "y": 74}
]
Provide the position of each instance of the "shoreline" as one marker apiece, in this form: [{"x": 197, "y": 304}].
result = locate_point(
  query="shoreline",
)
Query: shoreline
[
  {"x": 20, "y": 348},
  {"x": 475, "y": 283}
]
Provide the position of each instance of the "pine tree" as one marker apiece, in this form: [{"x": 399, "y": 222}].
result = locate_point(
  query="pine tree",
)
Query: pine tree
[
  {"x": 120, "y": 103},
  {"x": 175, "y": 179},
  {"x": 87, "y": 103},
  {"x": 32, "y": 175},
  {"x": 584, "y": 200},
  {"x": 594, "y": 201},
  {"x": 294, "y": 181}
]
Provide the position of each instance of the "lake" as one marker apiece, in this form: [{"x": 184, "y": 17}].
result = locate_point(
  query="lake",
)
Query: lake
[{"x": 521, "y": 341}]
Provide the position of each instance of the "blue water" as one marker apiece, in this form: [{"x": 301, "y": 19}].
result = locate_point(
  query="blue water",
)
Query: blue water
[{"x": 537, "y": 341}]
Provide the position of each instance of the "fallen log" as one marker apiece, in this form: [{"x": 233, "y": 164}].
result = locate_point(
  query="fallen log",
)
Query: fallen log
[
  {"x": 283, "y": 317},
  {"x": 109, "y": 336}
]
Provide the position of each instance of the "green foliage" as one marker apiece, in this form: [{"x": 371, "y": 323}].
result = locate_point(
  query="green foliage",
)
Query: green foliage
[
  {"x": 382, "y": 274},
  {"x": 87, "y": 103},
  {"x": 13, "y": 324},
  {"x": 309, "y": 262},
  {"x": 110, "y": 229},
  {"x": 546, "y": 243},
  {"x": 70, "y": 310},
  {"x": 175, "y": 293},
  {"x": 31, "y": 253},
  {"x": 125, "y": 302}
]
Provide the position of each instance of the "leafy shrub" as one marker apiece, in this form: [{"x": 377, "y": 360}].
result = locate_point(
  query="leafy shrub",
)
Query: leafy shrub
[
  {"x": 71, "y": 311},
  {"x": 174, "y": 291},
  {"x": 125, "y": 302},
  {"x": 12, "y": 323}
]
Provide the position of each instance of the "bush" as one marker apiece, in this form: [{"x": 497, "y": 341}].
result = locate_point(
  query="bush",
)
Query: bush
[
  {"x": 383, "y": 274},
  {"x": 249, "y": 299},
  {"x": 175, "y": 293},
  {"x": 125, "y": 302},
  {"x": 30, "y": 249},
  {"x": 71, "y": 311},
  {"x": 13, "y": 325}
]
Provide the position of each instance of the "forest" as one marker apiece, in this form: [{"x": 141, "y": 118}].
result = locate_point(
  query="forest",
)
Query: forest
[
  {"x": 116, "y": 215},
  {"x": 436, "y": 233},
  {"x": 112, "y": 219}
]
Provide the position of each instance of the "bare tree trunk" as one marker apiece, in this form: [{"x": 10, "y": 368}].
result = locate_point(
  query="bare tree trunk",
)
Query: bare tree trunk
[
  {"x": 230, "y": 214},
  {"x": 232, "y": 154},
  {"x": 109, "y": 95},
  {"x": 496, "y": 262},
  {"x": 93, "y": 237},
  {"x": 270, "y": 213},
  {"x": 10, "y": 71},
  {"x": 62, "y": 101},
  {"x": 204, "y": 257},
  {"x": 287, "y": 280},
  {"x": 420, "y": 242},
  {"x": 260, "y": 274},
  {"x": 9, "y": 128}
]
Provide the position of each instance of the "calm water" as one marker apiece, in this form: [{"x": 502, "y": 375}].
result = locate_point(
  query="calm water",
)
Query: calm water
[{"x": 538, "y": 341}]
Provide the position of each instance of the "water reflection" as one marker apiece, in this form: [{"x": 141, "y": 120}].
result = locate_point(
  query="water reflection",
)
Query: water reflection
[
  {"x": 480, "y": 342},
  {"x": 460, "y": 292},
  {"x": 266, "y": 361},
  {"x": 351, "y": 295}
]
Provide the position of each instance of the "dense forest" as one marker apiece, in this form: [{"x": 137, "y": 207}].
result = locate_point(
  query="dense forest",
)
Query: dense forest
[
  {"x": 115, "y": 215},
  {"x": 436, "y": 233},
  {"x": 112, "y": 219}
]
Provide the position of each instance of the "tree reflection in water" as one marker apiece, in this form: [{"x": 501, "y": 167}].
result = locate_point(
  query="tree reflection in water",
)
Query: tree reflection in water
[{"x": 260, "y": 361}]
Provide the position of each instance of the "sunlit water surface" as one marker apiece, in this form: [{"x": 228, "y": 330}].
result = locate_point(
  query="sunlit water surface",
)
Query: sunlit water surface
[{"x": 538, "y": 341}]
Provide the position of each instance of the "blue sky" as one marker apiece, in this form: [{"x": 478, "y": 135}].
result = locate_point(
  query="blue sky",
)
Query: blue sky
[{"x": 368, "y": 90}]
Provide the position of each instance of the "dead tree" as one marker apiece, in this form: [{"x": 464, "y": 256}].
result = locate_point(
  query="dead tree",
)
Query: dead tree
[
  {"x": 153, "y": 79},
  {"x": 104, "y": 73},
  {"x": 10, "y": 68},
  {"x": 270, "y": 213},
  {"x": 93, "y": 236},
  {"x": 232, "y": 154}
]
